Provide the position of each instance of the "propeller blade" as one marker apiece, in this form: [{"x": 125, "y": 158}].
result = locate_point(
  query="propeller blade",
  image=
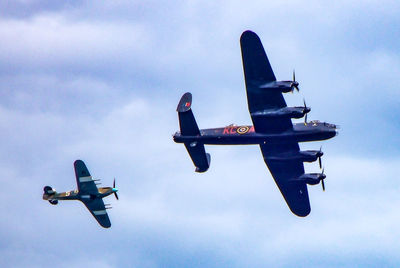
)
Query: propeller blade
[
  {"x": 294, "y": 84},
  {"x": 323, "y": 185},
  {"x": 319, "y": 157},
  {"x": 305, "y": 119},
  {"x": 115, "y": 193}
]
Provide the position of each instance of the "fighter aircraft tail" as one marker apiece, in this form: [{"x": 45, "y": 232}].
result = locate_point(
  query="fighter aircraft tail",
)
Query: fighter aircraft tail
[
  {"x": 48, "y": 192},
  {"x": 189, "y": 127}
]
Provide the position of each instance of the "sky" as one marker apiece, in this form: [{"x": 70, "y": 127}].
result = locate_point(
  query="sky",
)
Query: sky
[{"x": 100, "y": 81}]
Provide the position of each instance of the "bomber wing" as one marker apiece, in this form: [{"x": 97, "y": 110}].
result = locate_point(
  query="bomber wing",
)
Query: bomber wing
[
  {"x": 259, "y": 76},
  {"x": 285, "y": 172}
]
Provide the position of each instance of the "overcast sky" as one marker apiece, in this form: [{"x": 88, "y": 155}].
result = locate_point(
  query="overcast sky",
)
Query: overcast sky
[{"x": 100, "y": 81}]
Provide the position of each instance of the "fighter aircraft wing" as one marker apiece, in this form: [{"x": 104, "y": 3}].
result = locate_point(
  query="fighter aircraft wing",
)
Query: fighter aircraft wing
[
  {"x": 258, "y": 76},
  {"x": 284, "y": 172},
  {"x": 84, "y": 180},
  {"x": 98, "y": 210},
  {"x": 88, "y": 190}
]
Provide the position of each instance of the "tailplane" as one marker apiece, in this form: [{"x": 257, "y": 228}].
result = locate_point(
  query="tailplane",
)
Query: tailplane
[
  {"x": 48, "y": 193},
  {"x": 189, "y": 127},
  {"x": 48, "y": 190}
]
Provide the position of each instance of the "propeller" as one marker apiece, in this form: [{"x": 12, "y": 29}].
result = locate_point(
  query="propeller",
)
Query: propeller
[
  {"x": 115, "y": 193},
  {"x": 295, "y": 84},
  {"x": 323, "y": 176},
  {"x": 320, "y": 153},
  {"x": 306, "y": 110}
]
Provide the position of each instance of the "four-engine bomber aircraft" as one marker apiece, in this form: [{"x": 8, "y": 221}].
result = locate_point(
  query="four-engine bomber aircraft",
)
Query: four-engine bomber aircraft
[
  {"x": 272, "y": 129},
  {"x": 87, "y": 192}
]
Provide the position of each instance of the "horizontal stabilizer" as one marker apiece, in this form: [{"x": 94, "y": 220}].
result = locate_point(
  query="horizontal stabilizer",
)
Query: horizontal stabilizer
[
  {"x": 189, "y": 127},
  {"x": 198, "y": 154}
]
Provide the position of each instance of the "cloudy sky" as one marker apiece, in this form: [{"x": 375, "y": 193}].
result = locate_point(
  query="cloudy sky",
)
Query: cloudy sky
[{"x": 100, "y": 81}]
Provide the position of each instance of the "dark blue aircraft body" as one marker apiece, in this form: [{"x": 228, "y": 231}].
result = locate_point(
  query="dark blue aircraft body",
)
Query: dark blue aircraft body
[{"x": 272, "y": 129}]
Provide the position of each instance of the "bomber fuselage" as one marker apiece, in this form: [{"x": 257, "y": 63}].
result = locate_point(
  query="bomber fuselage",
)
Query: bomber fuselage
[{"x": 245, "y": 135}]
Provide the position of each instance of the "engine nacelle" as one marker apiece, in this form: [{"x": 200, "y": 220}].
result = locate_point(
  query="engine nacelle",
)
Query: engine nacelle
[
  {"x": 290, "y": 112},
  {"x": 282, "y": 86},
  {"x": 49, "y": 190},
  {"x": 53, "y": 202},
  {"x": 311, "y": 155},
  {"x": 304, "y": 156},
  {"x": 311, "y": 178}
]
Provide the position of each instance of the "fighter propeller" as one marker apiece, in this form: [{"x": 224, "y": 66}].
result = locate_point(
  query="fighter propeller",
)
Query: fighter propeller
[{"x": 115, "y": 190}]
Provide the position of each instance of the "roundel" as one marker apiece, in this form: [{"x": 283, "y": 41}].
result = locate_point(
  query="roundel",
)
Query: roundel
[{"x": 242, "y": 130}]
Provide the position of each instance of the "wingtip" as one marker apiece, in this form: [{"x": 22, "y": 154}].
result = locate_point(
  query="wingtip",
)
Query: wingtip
[
  {"x": 78, "y": 161},
  {"x": 301, "y": 213},
  {"x": 185, "y": 103},
  {"x": 248, "y": 35}
]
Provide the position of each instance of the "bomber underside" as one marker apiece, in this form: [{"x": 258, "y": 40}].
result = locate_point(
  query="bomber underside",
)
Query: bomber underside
[{"x": 253, "y": 138}]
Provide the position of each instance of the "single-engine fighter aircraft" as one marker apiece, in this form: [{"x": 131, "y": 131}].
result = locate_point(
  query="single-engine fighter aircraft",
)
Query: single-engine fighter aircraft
[
  {"x": 272, "y": 129},
  {"x": 87, "y": 192}
]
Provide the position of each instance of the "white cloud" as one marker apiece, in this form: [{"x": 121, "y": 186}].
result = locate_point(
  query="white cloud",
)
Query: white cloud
[{"x": 100, "y": 81}]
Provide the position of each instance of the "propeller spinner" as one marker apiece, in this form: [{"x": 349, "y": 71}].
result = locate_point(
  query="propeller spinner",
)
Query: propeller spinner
[{"x": 115, "y": 190}]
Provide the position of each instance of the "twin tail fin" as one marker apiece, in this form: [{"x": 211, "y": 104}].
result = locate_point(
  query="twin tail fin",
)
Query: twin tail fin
[{"x": 189, "y": 127}]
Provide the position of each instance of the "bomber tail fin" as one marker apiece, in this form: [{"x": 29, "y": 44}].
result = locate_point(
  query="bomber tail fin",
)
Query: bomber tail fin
[
  {"x": 187, "y": 122},
  {"x": 189, "y": 127}
]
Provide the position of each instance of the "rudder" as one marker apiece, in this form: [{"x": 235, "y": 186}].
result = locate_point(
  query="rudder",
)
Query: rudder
[
  {"x": 189, "y": 127},
  {"x": 187, "y": 122}
]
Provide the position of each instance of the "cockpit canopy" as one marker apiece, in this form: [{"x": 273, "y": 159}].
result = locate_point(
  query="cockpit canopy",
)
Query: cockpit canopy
[{"x": 317, "y": 122}]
